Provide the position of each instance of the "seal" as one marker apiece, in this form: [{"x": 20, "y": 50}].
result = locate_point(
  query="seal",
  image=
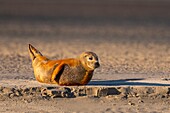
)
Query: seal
[{"x": 64, "y": 72}]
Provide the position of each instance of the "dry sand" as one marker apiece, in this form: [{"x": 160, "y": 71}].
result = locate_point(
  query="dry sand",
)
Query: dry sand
[
  {"x": 144, "y": 61},
  {"x": 133, "y": 48}
]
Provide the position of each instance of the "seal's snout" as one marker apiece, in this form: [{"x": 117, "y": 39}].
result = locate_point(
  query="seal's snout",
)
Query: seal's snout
[{"x": 97, "y": 65}]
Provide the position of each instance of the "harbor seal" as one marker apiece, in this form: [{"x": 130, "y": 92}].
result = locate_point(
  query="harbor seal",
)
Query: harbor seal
[{"x": 67, "y": 72}]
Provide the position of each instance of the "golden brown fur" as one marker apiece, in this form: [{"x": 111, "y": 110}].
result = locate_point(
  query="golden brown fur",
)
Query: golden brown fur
[{"x": 72, "y": 71}]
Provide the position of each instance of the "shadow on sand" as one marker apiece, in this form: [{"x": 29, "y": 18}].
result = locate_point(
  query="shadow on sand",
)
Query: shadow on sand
[{"x": 126, "y": 82}]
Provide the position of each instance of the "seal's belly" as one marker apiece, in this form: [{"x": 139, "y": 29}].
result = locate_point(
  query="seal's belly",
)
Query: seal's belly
[{"x": 72, "y": 75}]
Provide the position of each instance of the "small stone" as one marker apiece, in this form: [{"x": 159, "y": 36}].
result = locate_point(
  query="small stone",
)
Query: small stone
[
  {"x": 26, "y": 90},
  {"x": 17, "y": 93},
  {"x": 27, "y": 100},
  {"x": 7, "y": 91},
  {"x": 53, "y": 92},
  {"x": 131, "y": 103},
  {"x": 44, "y": 92},
  {"x": 11, "y": 95},
  {"x": 140, "y": 101}
]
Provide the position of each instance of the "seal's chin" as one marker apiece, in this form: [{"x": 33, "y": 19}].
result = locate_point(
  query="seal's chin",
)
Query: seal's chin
[{"x": 93, "y": 66}]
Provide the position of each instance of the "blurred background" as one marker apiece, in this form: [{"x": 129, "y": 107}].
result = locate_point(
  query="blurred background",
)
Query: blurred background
[
  {"x": 130, "y": 36},
  {"x": 117, "y": 20}
]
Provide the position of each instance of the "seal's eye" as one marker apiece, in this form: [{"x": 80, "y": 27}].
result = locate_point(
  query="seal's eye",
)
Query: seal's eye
[{"x": 90, "y": 58}]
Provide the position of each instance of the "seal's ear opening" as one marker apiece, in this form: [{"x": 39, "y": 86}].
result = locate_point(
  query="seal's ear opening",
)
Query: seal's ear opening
[{"x": 33, "y": 52}]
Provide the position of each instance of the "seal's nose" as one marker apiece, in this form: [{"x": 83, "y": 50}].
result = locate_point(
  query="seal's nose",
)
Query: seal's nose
[{"x": 97, "y": 65}]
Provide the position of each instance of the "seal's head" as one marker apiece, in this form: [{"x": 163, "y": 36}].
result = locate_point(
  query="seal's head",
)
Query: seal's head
[{"x": 89, "y": 60}]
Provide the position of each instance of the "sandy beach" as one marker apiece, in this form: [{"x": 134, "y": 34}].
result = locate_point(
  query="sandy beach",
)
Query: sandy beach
[{"x": 131, "y": 39}]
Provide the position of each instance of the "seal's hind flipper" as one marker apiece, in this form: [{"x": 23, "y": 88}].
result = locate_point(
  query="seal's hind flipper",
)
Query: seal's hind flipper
[{"x": 33, "y": 52}]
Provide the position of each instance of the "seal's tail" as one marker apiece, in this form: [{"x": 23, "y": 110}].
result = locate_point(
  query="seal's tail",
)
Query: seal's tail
[{"x": 33, "y": 52}]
